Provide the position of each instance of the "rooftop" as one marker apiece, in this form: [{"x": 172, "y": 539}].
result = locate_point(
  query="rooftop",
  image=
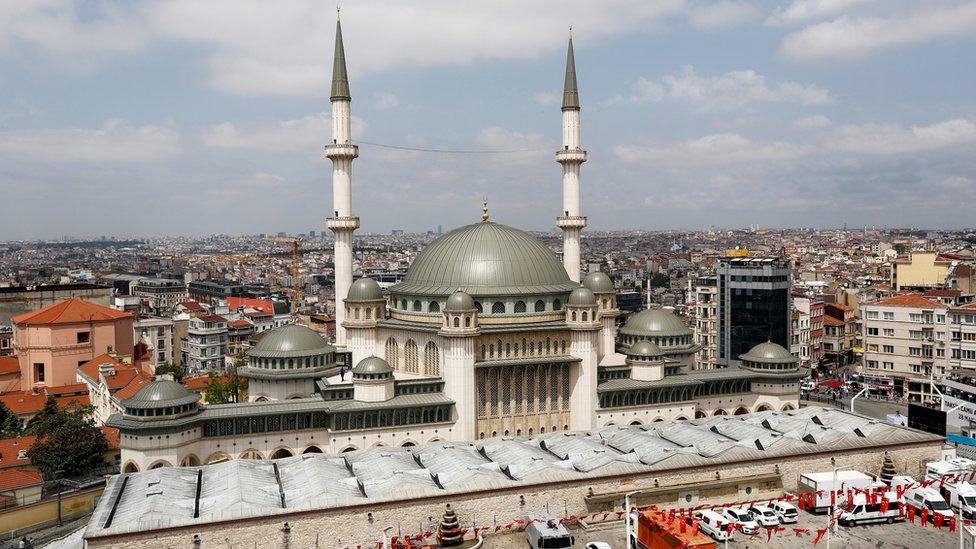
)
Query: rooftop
[
  {"x": 909, "y": 300},
  {"x": 69, "y": 311},
  {"x": 238, "y": 489}
]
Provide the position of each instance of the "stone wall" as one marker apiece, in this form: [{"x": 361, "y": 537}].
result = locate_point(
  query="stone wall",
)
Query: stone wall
[{"x": 363, "y": 525}]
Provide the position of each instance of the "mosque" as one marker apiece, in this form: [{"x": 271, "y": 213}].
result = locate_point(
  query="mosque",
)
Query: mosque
[{"x": 488, "y": 335}]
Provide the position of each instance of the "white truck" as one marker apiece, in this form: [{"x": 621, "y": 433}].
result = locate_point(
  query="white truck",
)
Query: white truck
[
  {"x": 821, "y": 485},
  {"x": 919, "y": 497},
  {"x": 863, "y": 511},
  {"x": 959, "y": 494}
]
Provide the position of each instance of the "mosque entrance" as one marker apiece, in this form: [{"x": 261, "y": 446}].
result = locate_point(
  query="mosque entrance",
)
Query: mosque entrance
[{"x": 523, "y": 399}]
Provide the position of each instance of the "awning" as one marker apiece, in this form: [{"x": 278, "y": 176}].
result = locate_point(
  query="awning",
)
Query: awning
[{"x": 832, "y": 383}]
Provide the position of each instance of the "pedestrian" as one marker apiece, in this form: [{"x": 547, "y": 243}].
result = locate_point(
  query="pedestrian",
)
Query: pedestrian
[
  {"x": 342, "y": 373},
  {"x": 23, "y": 543}
]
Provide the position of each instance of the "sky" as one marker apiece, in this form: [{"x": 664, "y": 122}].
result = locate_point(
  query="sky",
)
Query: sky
[{"x": 184, "y": 117}]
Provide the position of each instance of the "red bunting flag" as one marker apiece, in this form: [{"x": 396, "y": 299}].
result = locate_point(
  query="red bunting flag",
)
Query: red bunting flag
[
  {"x": 820, "y": 535},
  {"x": 884, "y": 504},
  {"x": 924, "y": 516},
  {"x": 911, "y": 514},
  {"x": 952, "y": 523},
  {"x": 938, "y": 519}
]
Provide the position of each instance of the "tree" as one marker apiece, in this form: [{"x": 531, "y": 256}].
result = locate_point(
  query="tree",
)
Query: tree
[
  {"x": 171, "y": 369},
  {"x": 67, "y": 441},
  {"x": 659, "y": 281},
  {"x": 37, "y": 424},
  {"x": 228, "y": 388},
  {"x": 10, "y": 425}
]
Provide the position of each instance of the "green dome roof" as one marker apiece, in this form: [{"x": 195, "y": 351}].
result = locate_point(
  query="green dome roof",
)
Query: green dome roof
[
  {"x": 486, "y": 259},
  {"x": 459, "y": 302},
  {"x": 365, "y": 289},
  {"x": 582, "y": 297},
  {"x": 655, "y": 322},
  {"x": 292, "y": 340},
  {"x": 644, "y": 348},
  {"x": 372, "y": 365},
  {"x": 769, "y": 353},
  {"x": 161, "y": 393},
  {"x": 598, "y": 282}
]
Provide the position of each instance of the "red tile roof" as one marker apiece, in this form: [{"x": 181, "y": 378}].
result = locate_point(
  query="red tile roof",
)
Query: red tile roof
[
  {"x": 127, "y": 379},
  {"x": 69, "y": 311},
  {"x": 831, "y": 321},
  {"x": 10, "y": 449},
  {"x": 199, "y": 382},
  {"x": 112, "y": 436},
  {"x": 212, "y": 318},
  {"x": 9, "y": 365},
  {"x": 263, "y": 305},
  {"x": 942, "y": 292},
  {"x": 241, "y": 323},
  {"x": 64, "y": 390},
  {"x": 192, "y": 306},
  {"x": 910, "y": 300},
  {"x": 132, "y": 387},
  {"x": 25, "y": 402},
  {"x": 19, "y": 478}
]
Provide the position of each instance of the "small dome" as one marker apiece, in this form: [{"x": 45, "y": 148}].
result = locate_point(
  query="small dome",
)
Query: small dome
[
  {"x": 372, "y": 365},
  {"x": 365, "y": 289},
  {"x": 598, "y": 282},
  {"x": 769, "y": 353},
  {"x": 292, "y": 340},
  {"x": 655, "y": 322},
  {"x": 582, "y": 297},
  {"x": 644, "y": 348},
  {"x": 161, "y": 393},
  {"x": 459, "y": 302}
]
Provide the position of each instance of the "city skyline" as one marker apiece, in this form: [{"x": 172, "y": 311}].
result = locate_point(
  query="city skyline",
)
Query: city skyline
[{"x": 147, "y": 103}]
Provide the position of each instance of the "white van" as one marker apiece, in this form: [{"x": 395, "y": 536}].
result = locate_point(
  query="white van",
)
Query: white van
[
  {"x": 962, "y": 496},
  {"x": 787, "y": 512},
  {"x": 713, "y": 524},
  {"x": 864, "y": 512},
  {"x": 546, "y": 533},
  {"x": 919, "y": 498}
]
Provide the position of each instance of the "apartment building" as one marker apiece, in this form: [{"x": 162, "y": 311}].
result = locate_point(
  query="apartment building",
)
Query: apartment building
[
  {"x": 162, "y": 294},
  {"x": 800, "y": 344},
  {"x": 905, "y": 340},
  {"x": 754, "y": 301},
  {"x": 706, "y": 321},
  {"x": 157, "y": 333},
  {"x": 205, "y": 344},
  {"x": 919, "y": 270},
  {"x": 959, "y": 385}
]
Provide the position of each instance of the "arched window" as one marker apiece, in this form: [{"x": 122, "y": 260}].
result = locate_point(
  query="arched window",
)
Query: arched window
[
  {"x": 432, "y": 366},
  {"x": 467, "y": 321},
  {"x": 434, "y": 307},
  {"x": 457, "y": 322},
  {"x": 519, "y": 306},
  {"x": 556, "y": 305},
  {"x": 584, "y": 316},
  {"x": 417, "y": 306},
  {"x": 355, "y": 313},
  {"x": 403, "y": 304},
  {"x": 369, "y": 313},
  {"x": 477, "y": 307},
  {"x": 411, "y": 358},
  {"x": 540, "y": 306},
  {"x": 573, "y": 315},
  {"x": 497, "y": 307},
  {"x": 393, "y": 353}
]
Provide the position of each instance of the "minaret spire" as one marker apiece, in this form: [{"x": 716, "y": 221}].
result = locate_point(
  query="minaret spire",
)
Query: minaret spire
[
  {"x": 340, "y": 79},
  {"x": 341, "y": 152},
  {"x": 572, "y": 221}
]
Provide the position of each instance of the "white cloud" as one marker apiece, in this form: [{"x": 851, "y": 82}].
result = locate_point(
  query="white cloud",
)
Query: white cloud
[
  {"x": 815, "y": 122},
  {"x": 723, "y": 14},
  {"x": 730, "y": 90},
  {"x": 853, "y": 38},
  {"x": 284, "y": 48},
  {"x": 884, "y": 139},
  {"x": 114, "y": 141},
  {"x": 722, "y": 148},
  {"x": 804, "y": 10},
  {"x": 301, "y": 135},
  {"x": 546, "y": 98},
  {"x": 385, "y": 100}
]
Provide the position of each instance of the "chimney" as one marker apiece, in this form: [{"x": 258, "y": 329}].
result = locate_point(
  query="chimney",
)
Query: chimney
[{"x": 106, "y": 369}]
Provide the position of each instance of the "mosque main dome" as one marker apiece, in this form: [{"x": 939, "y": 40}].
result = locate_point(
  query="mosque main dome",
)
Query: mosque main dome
[{"x": 485, "y": 259}]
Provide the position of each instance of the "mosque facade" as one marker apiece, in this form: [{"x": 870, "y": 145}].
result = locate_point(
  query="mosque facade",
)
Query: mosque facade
[{"x": 488, "y": 335}]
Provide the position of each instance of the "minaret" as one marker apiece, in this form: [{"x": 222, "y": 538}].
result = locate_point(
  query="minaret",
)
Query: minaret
[
  {"x": 341, "y": 152},
  {"x": 570, "y": 157}
]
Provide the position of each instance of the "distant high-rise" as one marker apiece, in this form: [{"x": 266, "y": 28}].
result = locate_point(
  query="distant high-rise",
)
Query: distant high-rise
[{"x": 753, "y": 305}]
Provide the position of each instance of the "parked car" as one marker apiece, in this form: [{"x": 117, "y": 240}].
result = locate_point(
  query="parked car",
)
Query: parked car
[
  {"x": 787, "y": 512},
  {"x": 742, "y": 519},
  {"x": 713, "y": 524},
  {"x": 764, "y": 515}
]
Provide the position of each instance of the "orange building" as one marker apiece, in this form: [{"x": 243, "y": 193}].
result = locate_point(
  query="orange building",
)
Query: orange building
[{"x": 52, "y": 342}]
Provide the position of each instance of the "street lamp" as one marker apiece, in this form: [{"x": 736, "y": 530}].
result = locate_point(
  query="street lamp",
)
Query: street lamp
[
  {"x": 627, "y": 515},
  {"x": 833, "y": 499},
  {"x": 853, "y": 398},
  {"x": 57, "y": 477},
  {"x": 385, "y": 537}
]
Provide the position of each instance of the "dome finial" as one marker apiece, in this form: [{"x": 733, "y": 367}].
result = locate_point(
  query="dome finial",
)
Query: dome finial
[{"x": 484, "y": 211}]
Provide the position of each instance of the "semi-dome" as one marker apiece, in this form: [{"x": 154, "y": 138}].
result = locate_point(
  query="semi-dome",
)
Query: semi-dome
[
  {"x": 372, "y": 365},
  {"x": 769, "y": 353},
  {"x": 365, "y": 289},
  {"x": 644, "y": 348},
  {"x": 582, "y": 297},
  {"x": 486, "y": 259},
  {"x": 289, "y": 341},
  {"x": 161, "y": 393},
  {"x": 459, "y": 302},
  {"x": 598, "y": 282},
  {"x": 655, "y": 322}
]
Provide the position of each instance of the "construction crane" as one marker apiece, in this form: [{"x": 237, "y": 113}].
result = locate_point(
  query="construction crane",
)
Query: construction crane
[{"x": 296, "y": 292}]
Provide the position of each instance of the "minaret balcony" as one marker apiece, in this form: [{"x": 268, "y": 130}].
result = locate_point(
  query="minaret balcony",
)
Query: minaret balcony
[
  {"x": 342, "y": 223},
  {"x": 571, "y": 156},
  {"x": 341, "y": 150},
  {"x": 571, "y": 221}
]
